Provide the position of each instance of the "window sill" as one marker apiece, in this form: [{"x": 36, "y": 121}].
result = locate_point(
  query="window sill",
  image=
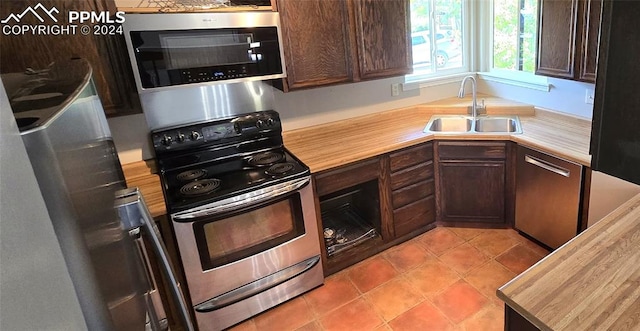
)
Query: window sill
[
  {"x": 519, "y": 79},
  {"x": 414, "y": 82}
]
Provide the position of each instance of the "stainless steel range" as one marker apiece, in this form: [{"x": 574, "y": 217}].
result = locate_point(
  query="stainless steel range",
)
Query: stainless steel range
[{"x": 243, "y": 213}]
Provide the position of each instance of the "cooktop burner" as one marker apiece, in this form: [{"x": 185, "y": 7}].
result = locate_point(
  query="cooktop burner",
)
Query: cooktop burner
[
  {"x": 280, "y": 169},
  {"x": 189, "y": 175},
  {"x": 266, "y": 159},
  {"x": 200, "y": 187},
  {"x": 209, "y": 161}
]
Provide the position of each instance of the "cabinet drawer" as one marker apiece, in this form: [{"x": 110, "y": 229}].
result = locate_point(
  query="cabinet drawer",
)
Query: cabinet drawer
[
  {"x": 411, "y": 156},
  {"x": 348, "y": 176},
  {"x": 411, "y": 175},
  {"x": 471, "y": 150},
  {"x": 414, "y": 216},
  {"x": 412, "y": 193}
]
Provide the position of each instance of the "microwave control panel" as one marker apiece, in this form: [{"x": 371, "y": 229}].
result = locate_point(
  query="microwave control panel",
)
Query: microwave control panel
[{"x": 209, "y": 74}]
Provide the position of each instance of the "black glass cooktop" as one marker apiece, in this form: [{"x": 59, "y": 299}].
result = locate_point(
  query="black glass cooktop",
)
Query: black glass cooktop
[{"x": 197, "y": 185}]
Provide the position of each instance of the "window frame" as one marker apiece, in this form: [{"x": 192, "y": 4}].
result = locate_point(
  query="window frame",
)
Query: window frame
[
  {"x": 478, "y": 55},
  {"x": 444, "y": 76}
]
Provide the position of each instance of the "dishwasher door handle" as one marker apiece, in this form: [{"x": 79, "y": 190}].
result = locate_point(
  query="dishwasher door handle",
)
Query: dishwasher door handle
[{"x": 547, "y": 165}]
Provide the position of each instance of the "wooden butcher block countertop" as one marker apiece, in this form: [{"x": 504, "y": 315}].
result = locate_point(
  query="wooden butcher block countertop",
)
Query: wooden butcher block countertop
[
  {"x": 590, "y": 283},
  {"x": 142, "y": 174},
  {"x": 330, "y": 145}
]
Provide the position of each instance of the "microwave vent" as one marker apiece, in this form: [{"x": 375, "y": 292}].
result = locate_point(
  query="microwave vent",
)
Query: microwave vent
[{"x": 203, "y": 5}]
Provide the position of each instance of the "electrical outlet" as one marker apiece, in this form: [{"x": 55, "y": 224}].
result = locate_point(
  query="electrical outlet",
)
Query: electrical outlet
[
  {"x": 589, "y": 96},
  {"x": 395, "y": 89}
]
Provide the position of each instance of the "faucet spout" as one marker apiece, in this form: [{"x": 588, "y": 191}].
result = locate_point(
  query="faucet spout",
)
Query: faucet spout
[{"x": 474, "y": 102}]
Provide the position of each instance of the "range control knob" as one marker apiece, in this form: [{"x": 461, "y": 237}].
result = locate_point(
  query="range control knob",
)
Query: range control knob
[
  {"x": 195, "y": 135},
  {"x": 166, "y": 140},
  {"x": 180, "y": 137},
  {"x": 271, "y": 122},
  {"x": 260, "y": 124}
]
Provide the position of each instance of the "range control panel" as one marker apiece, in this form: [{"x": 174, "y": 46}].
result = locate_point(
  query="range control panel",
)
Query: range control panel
[{"x": 196, "y": 135}]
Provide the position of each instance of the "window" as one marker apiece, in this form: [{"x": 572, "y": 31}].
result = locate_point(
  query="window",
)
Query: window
[
  {"x": 504, "y": 46},
  {"x": 514, "y": 34},
  {"x": 437, "y": 38}
]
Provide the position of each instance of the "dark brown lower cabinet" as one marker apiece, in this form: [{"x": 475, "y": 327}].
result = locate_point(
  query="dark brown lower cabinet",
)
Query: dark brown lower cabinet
[
  {"x": 515, "y": 322},
  {"x": 413, "y": 189},
  {"x": 351, "y": 202},
  {"x": 403, "y": 193},
  {"x": 414, "y": 216},
  {"x": 393, "y": 194},
  {"x": 475, "y": 183},
  {"x": 472, "y": 191}
]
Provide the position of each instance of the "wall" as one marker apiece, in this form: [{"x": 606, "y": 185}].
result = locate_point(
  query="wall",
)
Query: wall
[
  {"x": 321, "y": 105},
  {"x": 297, "y": 109},
  {"x": 565, "y": 95}
]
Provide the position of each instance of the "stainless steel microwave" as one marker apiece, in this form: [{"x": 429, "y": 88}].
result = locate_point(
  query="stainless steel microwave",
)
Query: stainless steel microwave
[{"x": 177, "y": 49}]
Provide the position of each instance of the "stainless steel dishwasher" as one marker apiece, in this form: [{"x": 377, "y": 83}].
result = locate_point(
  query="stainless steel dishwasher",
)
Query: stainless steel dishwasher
[{"x": 547, "y": 197}]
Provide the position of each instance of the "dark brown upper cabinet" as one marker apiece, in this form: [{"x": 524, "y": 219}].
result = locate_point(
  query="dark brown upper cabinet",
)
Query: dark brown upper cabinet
[
  {"x": 342, "y": 41},
  {"x": 568, "y": 32},
  {"x": 106, "y": 53}
]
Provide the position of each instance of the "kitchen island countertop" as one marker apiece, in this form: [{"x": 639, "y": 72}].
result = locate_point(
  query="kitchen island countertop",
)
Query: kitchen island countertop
[{"x": 590, "y": 283}]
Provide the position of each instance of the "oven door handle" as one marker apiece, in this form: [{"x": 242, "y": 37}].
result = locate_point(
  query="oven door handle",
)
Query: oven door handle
[{"x": 243, "y": 200}]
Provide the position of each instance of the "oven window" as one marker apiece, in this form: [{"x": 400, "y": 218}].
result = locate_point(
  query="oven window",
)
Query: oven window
[{"x": 236, "y": 237}]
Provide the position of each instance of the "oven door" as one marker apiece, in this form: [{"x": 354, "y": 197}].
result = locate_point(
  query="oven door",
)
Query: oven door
[{"x": 263, "y": 237}]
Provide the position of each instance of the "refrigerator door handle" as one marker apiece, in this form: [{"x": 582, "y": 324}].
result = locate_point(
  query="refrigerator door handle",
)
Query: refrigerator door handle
[
  {"x": 146, "y": 271},
  {"x": 134, "y": 213}
]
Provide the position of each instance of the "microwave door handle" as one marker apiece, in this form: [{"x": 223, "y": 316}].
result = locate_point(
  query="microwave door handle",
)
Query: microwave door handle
[
  {"x": 244, "y": 201},
  {"x": 134, "y": 212}
]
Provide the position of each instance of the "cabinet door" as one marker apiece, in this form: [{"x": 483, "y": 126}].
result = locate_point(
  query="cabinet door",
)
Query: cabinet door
[
  {"x": 472, "y": 191},
  {"x": 107, "y": 54},
  {"x": 316, "y": 42},
  {"x": 558, "y": 20},
  {"x": 382, "y": 37},
  {"x": 591, "y": 11},
  {"x": 515, "y": 322}
]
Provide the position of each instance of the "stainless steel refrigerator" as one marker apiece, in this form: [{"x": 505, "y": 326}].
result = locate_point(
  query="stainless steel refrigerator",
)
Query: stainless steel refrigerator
[{"x": 104, "y": 230}]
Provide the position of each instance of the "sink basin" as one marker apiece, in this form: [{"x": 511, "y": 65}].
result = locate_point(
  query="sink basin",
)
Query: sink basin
[
  {"x": 496, "y": 124},
  {"x": 482, "y": 125},
  {"x": 450, "y": 124}
]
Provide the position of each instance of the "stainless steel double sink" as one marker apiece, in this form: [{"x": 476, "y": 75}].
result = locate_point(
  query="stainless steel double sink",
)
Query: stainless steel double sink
[{"x": 466, "y": 124}]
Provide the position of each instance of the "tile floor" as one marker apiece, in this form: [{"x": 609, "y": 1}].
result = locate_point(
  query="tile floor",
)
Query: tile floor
[{"x": 444, "y": 279}]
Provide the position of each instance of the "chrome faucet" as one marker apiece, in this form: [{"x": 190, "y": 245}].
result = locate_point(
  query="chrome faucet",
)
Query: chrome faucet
[{"x": 474, "y": 102}]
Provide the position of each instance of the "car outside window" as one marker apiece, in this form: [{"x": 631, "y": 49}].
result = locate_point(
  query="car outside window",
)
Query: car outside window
[
  {"x": 494, "y": 37},
  {"x": 444, "y": 50}
]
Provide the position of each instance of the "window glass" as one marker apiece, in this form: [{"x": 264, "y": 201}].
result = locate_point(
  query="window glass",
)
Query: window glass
[
  {"x": 514, "y": 34},
  {"x": 436, "y": 36}
]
